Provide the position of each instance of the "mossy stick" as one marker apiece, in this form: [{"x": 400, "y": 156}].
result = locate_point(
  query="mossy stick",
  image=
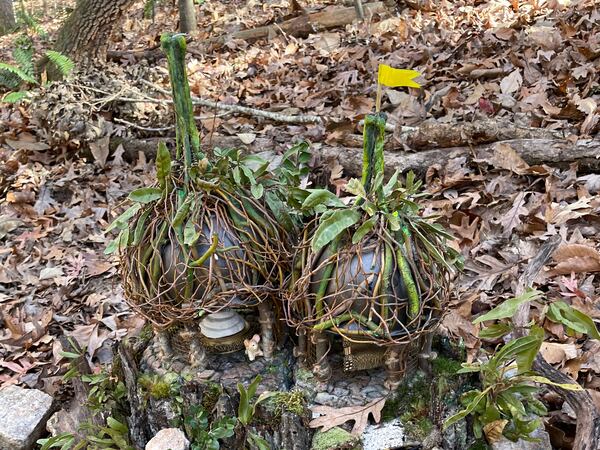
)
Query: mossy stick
[{"x": 187, "y": 136}]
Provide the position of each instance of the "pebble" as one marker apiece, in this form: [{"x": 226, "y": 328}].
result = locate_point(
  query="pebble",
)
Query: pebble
[
  {"x": 23, "y": 416},
  {"x": 323, "y": 398},
  {"x": 168, "y": 438},
  {"x": 542, "y": 444},
  {"x": 384, "y": 436},
  {"x": 340, "y": 392}
]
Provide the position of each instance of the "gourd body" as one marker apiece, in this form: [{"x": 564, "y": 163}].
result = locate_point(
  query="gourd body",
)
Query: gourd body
[
  {"x": 175, "y": 268},
  {"x": 355, "y": 285}
]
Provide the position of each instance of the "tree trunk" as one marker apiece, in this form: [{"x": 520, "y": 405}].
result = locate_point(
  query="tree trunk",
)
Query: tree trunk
[
  {"x": 86, "y": 33},
  {"x": 187, "y": 16},
  {"x": 7, "y": 17}
]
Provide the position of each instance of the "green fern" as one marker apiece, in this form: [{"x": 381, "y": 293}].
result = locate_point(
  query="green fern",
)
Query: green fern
[
  {"x": 24, "y": 76},
  {"x": 23, "y": 54},
  {"x": 149, "y": 8},
  {"x": 63, "y": 63},
  {"x": 15, "y": 97}
]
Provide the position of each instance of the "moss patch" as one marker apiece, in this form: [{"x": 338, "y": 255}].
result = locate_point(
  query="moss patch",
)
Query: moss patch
[
  {"x": 292, "y": 401},
  {"x": 211, "y": 396},
  {"x": 335, "y": 439},
  {"x": 304, "y": 375}
]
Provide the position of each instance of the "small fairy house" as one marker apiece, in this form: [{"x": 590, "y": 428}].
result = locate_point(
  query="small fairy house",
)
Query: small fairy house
[{"x": 375, "y": 273}]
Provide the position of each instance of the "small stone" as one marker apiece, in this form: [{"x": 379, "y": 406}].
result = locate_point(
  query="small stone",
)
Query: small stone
[
  {"x": 324, "y": 398},
  {"x": 382, "y": 437},
  {"x": 542, "y": 444},
  {"x": 168, "y": 438},
  {"x": 23, "y": 416},
  {"x": 340, "y": 392}
]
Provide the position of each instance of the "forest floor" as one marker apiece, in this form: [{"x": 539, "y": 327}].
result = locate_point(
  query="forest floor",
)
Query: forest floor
[{"x": 534, "y": 66}]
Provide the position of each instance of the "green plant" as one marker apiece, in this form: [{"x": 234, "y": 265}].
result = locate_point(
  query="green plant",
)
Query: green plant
[
  {"x": 204, "y": 436},
  {"x": 292, "y": 401},
  {"x": 161, "y": 387},
  {"x": 506, "y": 404},
  {"x": 105, "y": 397},
  {"x": 22, "y": 72},
  {"x": 247, "y": 409}
]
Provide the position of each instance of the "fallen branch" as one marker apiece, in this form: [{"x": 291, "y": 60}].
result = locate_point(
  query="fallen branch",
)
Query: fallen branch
[
  {"x": 587, "y": 434},
  {"x": 304, "y": 25},
  {"x": 533, "y": 151},
  {"x": 277, "y": 117},
  {"x": 430, "y": 135}
]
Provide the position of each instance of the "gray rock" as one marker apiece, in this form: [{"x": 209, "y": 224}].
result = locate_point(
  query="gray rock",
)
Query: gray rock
[
  {"x": 23, "y": 416},
  {"x": 340, "y": 392},
  {"x": 323, "y": 398},
  {"x": 542, "y": 444},
  {"x": 384, "y": 436},
  {"x": 168, "y": 439}
]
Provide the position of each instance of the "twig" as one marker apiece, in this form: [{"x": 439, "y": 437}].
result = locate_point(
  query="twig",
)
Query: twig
[
  {"x": 284, "y": 118},
  {"x": 167, "y": 128},
  {"x": 587, "y": 434}
]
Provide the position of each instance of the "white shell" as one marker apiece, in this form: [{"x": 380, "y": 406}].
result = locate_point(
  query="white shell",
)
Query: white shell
[{"x": 222, "y": 324}]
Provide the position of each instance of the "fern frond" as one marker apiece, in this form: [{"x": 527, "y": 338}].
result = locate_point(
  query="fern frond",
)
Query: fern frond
[
  {"x": 18, "y": 72},
  {"x": 149, "y": 8},
  {"x": 23, "y": 54},
  {"x": 63, "y": 63},
  {"x": 15, "y": 97}
]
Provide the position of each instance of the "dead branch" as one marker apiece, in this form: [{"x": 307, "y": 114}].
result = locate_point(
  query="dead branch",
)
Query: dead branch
[
  {"x": 277, "y": 117},
  {"x": 587, "y": 435},
  {"x": 304, "y": 25},
  {"x": 430, "y": 135},
  {"x": 533, "y": 151}
]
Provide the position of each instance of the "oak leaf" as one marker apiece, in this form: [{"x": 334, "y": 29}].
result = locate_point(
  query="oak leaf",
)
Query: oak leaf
[
  {"x": 577, "y": 258},
  {"x": 331, "y": 417}
]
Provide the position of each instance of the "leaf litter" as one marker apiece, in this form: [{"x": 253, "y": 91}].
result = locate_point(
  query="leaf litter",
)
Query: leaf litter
[{"x": 531, "y": 66}]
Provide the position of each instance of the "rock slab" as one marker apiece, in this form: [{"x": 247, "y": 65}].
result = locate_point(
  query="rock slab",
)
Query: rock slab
[
  {"x": 168, "y": 439},
  {"x": 23, "y": 416},
  {"x": 542, "y": 444}
]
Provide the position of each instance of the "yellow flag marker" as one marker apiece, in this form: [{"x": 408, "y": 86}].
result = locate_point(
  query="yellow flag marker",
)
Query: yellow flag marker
[{"x": 388, "y": 76}]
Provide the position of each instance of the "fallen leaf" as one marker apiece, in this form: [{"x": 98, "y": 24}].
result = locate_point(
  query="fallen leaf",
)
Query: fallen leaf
[
  {"x": 577, "y": 258},
  {"x": 49, "y": 273},
  {"x": 512, "y": 82},
  {"x": 556, "y": 353},
  {"x": 331, "y": 417},
  {"x": 506, "y": 157},
  {"x": 247, "y": 138},
  {"x": 100, "y": 150}
]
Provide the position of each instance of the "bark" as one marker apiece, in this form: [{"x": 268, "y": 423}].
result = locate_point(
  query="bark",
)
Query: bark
[
  {"x": 85, "y": 35},
  {"x": 187, "y": 17},
  {"x": 306, "y": 24},
  {"x": 7, "y": 17},
  {"x": 430, "y": 135}
]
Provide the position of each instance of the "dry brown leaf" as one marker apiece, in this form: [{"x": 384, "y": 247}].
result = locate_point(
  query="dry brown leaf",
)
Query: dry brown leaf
[
  {"x": 507, "y": 158},
  {"x": 100, "y": 150},
  {"x": 512, "y": 218},
  {"x": 575, "y": 258},
  {"x": 556, "y": 353},
  {"x": 493, "y": 430},
  {"x": 331, "y": 417}
]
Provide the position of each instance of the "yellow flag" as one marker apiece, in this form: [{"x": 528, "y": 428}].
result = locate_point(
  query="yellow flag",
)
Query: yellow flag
[{"x": 388, "y": 76}]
